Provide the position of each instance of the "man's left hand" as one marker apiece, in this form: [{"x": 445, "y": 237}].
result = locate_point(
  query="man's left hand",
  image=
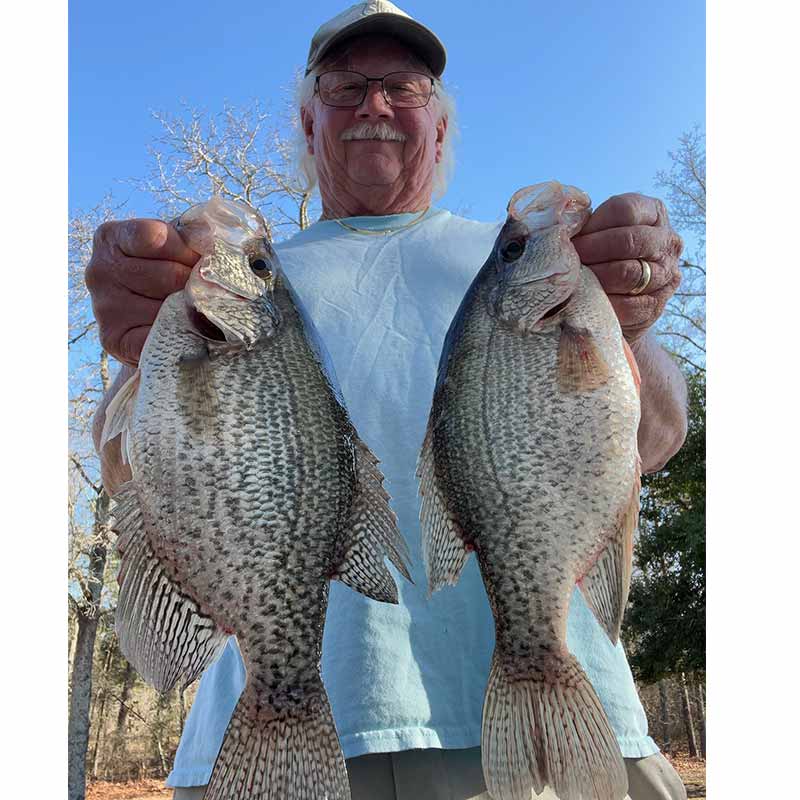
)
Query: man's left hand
[{"x": 625, "y": 228}]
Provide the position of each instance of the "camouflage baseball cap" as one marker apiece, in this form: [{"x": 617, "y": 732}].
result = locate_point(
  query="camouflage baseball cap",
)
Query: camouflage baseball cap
[{"x": 378, "y": 16}]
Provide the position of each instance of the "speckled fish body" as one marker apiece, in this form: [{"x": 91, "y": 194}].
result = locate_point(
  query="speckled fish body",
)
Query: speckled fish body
[
  {"x": 250, "y": 491},
  {"x": 531, "y": 461}
]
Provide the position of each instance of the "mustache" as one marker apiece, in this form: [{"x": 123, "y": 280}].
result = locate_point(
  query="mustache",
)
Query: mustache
[{"x": 381, "y": 131}]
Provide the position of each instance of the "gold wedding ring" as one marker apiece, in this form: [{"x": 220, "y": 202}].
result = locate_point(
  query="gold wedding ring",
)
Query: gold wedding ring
[{"x": 645, "y": 279}]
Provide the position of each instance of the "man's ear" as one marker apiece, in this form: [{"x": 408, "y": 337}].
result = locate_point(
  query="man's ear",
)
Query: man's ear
[
  {"x": 441, "y": 130},
  {"x": 307, "y": 121}
]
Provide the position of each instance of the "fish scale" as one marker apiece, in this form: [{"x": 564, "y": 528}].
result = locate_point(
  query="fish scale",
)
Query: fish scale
[
  {"x": 531, "y": 460},
  {"x": 250, "y": 490}
]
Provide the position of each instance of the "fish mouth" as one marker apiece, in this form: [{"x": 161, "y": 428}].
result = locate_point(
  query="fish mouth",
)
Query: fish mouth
[{"x": 205, "y": 327}]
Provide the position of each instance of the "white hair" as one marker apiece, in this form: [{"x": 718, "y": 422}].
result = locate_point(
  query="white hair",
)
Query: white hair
[{"x": 443, "y": 171}]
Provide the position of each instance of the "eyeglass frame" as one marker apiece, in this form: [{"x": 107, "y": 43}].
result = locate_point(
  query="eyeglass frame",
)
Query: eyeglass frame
[{"x": 372, "y": 80}]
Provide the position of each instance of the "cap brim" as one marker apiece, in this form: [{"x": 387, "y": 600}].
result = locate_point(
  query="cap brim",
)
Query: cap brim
[{"x": 421, "y": 40}]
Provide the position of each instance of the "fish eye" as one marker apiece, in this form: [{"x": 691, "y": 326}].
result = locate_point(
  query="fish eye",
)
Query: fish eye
[
  {"x": 512, "y": 250},
  {"x": 259, "y": 266}
]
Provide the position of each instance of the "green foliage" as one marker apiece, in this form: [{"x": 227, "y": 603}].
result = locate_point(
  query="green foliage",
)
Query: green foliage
[{"x": 665, "y": 626}]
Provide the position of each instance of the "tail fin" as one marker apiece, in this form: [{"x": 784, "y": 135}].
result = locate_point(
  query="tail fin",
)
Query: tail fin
[
  {"x": 539, "y": 733},
  {"x": 275, "y": 755}
]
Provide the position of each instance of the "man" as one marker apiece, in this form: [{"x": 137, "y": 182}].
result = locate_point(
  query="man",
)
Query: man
[{"x": 381, "y": 274}]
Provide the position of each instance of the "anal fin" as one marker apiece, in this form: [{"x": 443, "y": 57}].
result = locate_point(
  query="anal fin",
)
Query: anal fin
[
  {"x": 443, "y": 546},
  {"x": 605, "y": 586},
  {"x": 370, "y": 535},
  {"x": 161, "y": 630}
]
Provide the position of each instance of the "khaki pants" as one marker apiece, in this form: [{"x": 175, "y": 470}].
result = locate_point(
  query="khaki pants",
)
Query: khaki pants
[
  {"x": 457, "y": 775},
  {"x": 409, "y": 775}
]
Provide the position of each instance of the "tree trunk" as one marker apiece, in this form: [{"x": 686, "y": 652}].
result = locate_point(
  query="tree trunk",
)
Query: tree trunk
[
  {"x": 82, "y": 662},
  {"x": 664, "y": 714},
  {"x": 181, "y": 710},
  {"x": 80, "y": 698},
  {"x": 72, "y": 627},
  {"x": 162, "y": 703},
  {"x": 687, "y": 716},
  {"x": 99, "y": 719},
  {"x": 128, "y": 679},
  {"x": 700, "y": 703},
  {"x": 304, "y": 210}
]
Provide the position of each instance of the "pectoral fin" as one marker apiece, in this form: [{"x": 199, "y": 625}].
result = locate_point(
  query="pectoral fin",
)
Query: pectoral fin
[
  {"x": 581, "y": 365},
  {"x": 605, "y": 586},
  {"x": 119, "y": 413}
]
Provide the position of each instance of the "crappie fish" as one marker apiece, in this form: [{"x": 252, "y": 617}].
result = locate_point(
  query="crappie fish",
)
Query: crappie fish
[
  {"x": 531, "y": 460},
  {"x": 250, "y": 490}
]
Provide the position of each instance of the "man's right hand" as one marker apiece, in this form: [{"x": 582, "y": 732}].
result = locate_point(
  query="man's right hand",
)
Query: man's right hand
[{"x": 135, "y": 264}]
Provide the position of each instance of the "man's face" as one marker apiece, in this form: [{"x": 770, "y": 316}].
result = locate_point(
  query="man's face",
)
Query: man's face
[{"x": 360, "y": 167}]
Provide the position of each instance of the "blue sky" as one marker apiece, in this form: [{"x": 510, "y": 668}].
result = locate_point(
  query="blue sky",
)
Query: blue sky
[{"x": 593, "y": 94}]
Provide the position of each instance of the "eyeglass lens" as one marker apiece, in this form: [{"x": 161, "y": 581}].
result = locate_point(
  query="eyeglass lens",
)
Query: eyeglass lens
[{"x": 401, "y": 89}]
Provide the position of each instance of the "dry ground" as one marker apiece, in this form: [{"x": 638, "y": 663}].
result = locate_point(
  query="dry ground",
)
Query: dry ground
[
  {"x": 693, "y": 774},
  {"x": 691, "y": 770},
  {"x": 149, "y": 789}
]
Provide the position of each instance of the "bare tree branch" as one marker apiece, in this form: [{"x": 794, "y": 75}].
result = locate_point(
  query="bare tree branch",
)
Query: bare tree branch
[
  {"x": 697, "y": 324},
  {"x": 687, "y": 360},
  {"x": 83, "y": 333},
  {"x": 682, "y": 336},
  {"x": 687, "y": 265},
  {"x": 685, "y": 184},
  {"x": 82, "y": 472}
]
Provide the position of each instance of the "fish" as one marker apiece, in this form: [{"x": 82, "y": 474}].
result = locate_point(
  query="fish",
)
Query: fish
[
  {"x": 530, "y": 460},
  {"x": 250, "y": 490}
]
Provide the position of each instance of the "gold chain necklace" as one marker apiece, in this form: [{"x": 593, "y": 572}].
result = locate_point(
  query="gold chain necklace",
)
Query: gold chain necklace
[{"x": 385, "y": 231}]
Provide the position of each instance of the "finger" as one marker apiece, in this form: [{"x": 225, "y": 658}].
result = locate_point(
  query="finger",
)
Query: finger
[
  {"x": 631, "y": 242},
  {"x": 624, "y": 210},
  {"x": 635, "y": 310},
  {"x": 131, "y": 345},
  {"x": 637, "y": 313},
  {"x": 150, "y": 278},
  {"x": 621, "y": 277},
  {"x": 156, "y": 239},
  {"x": 118, "y": 312}
]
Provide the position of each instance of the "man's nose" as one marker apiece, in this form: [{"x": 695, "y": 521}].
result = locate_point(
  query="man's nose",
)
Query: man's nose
[{"x": 374, "y": 104}]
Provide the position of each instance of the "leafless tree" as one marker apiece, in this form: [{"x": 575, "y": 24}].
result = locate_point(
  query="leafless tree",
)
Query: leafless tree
[
  {"x": 688, "y": 717},
  {"x": 240, "y": 153},
  {"x": 683, "y": 325},
  {"x": 88, "y": 502}
]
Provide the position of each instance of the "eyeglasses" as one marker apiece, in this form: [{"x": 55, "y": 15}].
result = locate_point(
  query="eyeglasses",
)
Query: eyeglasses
[{"x": 343, "y": 89}]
